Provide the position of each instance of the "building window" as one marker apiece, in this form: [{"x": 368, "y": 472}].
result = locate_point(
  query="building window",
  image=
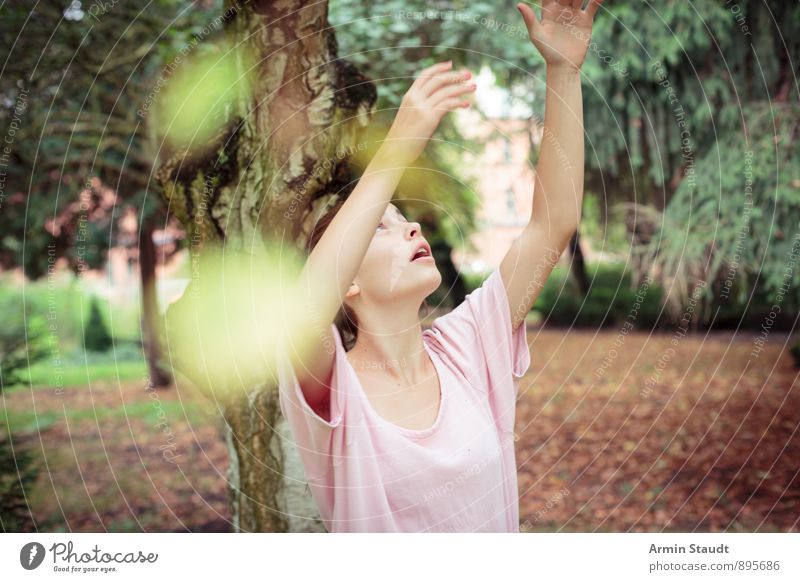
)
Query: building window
[{"x": 507, "y": 151}]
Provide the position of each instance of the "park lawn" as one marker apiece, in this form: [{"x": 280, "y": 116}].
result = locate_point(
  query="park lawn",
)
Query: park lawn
[
  {"x": 44, "y": 375},
  {"x": 30, "y": 421},
  {"x": 101, "y": 454}
]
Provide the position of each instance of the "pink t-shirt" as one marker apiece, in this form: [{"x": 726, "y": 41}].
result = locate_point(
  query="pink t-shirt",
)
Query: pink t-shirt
[{"x": 459, "y": 475}]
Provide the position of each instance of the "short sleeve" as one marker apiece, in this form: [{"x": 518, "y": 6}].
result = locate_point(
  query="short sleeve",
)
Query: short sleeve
[
  {"x": 312, "y": 434},
  {"x": 478, "y": 337}
]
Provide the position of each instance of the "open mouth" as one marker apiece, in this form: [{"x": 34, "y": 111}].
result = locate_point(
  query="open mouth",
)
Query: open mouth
[{"x": 423, "y": 253}]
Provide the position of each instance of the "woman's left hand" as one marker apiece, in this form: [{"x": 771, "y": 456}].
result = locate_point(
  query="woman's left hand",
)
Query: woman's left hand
[{"x": 562, "y": 35}]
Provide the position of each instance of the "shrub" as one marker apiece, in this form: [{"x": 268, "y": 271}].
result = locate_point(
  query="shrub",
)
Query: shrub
[
  {"x": 609, "y": 302},
  {"x": 23, "y": 339},
  {"x": 95, "y": 336},
  {"x": 66, "y": 302},
  {"x": 17, "y": 475}
]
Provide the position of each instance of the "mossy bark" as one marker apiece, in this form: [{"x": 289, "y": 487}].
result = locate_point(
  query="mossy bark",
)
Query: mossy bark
[{"x": 264, "y": 175}]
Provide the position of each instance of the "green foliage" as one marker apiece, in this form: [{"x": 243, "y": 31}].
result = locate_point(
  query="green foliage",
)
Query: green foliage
[
  {"x": 77, "y": 118},
  {"x": 64, "y": 304},
  {"x": 41, "y": 341},
  {"x": 18, "y": 474},
  {"x": 393, "y": 41},
  {"x": 432, "y": 191},
  {"x": 742, "y": 209},
  {"x": 605, "y": 236},
  {"x": 23, "y": 342},
  {"x": 652, "y": 72},
  {"x": 725, "y": 77},
  {"x": 23, "y": 339},
  {"x": 95, "y": 335},
  {"x": 611, "y": 301},
  {"x": 710, "y": 135},
  {"x": 391, "y": 44}
]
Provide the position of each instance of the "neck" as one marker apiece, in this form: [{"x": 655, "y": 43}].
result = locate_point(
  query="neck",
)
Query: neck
[{"x": 391, "y": 343}]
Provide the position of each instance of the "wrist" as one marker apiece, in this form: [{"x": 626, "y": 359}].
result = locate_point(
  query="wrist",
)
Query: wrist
[{"x": 562, "y": 69}]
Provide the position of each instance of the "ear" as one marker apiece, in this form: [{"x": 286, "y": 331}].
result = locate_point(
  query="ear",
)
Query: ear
[{"x": 352, "y": 291}]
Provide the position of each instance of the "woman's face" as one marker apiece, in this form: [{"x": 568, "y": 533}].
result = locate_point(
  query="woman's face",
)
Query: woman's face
[{"x": 389, "y": 269}]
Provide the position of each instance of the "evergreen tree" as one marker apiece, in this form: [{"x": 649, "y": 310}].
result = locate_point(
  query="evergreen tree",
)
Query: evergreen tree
[{"x": 95, "y": 335}]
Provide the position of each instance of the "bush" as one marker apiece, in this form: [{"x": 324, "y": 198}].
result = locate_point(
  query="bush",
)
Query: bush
[
  {"x": 748, "y": 303},
  {"x": 65, "y": 303},
  {"x": 23, "y": 339},
  {"x": 609, "y": 302},
  {"x": 17, "y": 475},
  {"x": 95, "y": 336}
]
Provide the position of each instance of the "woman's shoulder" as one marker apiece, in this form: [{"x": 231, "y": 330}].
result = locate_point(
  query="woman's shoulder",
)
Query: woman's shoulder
[{"x": 293, "y": 400}]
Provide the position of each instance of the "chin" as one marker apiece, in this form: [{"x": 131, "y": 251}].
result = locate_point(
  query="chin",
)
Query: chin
[
  {"x": 435, "y": 278},
  {"x": 415, "y": 282}
]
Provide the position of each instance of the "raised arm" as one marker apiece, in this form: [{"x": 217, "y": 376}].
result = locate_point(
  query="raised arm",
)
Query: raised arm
[
  {"x": 562, "y": 37},
  {"x": 335, "y": 260}
]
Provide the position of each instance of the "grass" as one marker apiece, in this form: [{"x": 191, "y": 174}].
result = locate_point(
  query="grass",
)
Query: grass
[
  {"x": 29, "y": 421},
  {"x": 66, "y": 304},
  {"x": 45, "y": 375},
  {"x": 63, "y": 310}
]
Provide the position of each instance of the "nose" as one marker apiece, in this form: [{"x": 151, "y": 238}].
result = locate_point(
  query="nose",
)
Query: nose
[{"x": 413, "y": 230}]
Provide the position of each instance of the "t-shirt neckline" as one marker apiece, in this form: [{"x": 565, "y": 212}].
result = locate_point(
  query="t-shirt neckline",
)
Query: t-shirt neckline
[{"x": 412, "y": 432}]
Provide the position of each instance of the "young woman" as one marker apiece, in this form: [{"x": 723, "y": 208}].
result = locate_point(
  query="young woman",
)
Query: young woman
[{"x": 405, "y": 429}]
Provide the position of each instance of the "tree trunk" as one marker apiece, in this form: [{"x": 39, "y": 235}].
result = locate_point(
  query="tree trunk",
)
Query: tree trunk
[
  {"x": 278, "y": 159},
  {"x": 579, "y": 264},
  {"x": 151, "y": 336}
]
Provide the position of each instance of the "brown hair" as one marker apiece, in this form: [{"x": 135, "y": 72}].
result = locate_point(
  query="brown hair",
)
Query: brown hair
[{"x": 345, "y": 321}]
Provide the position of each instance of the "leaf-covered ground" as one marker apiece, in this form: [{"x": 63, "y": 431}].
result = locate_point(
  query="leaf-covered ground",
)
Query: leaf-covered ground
[
  {"x": 616, "y": 433},
  {"x": 658, "y": 433}
]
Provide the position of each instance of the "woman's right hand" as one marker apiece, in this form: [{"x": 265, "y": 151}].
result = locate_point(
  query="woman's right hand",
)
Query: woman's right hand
[{"x": 436, "y": 91}]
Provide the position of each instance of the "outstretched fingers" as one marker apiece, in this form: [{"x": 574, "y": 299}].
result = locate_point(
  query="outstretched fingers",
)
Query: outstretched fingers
[
  {"x": 529, "y": 16},
  {"x": 430, "y": 73},
  {"x": 591, "y": 9},
  {"x": 452, "y": 103},
  {"x": 452, "y": 91},
  {"x": 552, "y": 8},
  {"x": 444, "y": 80}
]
